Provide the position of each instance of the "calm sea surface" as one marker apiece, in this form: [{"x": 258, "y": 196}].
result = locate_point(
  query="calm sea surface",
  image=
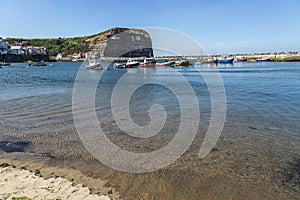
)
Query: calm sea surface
[{"x": 259, "y": 146}]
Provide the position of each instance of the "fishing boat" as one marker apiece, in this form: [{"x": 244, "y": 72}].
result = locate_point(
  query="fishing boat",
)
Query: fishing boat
[
  {"x": 226, "y": 60},
  {"x": 120, "y": 65},
  {"x": 182, "y": 63},
  {"x": 241, "y": 59},
  {"x": 5, "y": 64},
  {"x": 41, "y": 63},
  {"x": 132, "y": 63},
  {"x": 166, "y": 64},
  {"x": 207, "y": 61},
  {"x": 93, "y": 65},
  {"x": 264, "y": 59},
  {"x": 148, "y": 62}
]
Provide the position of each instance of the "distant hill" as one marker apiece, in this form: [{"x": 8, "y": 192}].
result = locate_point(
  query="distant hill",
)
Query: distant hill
[{"x": 109, "y": 44}]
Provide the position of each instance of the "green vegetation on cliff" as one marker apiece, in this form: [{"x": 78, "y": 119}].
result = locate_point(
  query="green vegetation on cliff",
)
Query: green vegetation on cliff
[
  {"x": 66, "y": 45},
  {"x": 55, "y": 45}
]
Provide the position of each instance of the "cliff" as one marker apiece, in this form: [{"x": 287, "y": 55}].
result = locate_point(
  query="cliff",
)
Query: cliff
[{"x": 121, "y": 42}]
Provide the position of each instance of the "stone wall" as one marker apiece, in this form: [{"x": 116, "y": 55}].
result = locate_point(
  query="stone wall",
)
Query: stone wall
[{"x": 23, "y": 58}]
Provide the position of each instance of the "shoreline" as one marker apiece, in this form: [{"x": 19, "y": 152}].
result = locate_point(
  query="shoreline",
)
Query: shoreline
[{"x": 274, "y": 57}]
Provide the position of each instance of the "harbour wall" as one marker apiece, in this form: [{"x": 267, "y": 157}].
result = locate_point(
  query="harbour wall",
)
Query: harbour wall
[{"x": 23, "y": 58}]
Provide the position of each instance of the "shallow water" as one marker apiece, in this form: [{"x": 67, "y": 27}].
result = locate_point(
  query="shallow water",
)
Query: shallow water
[{"x": 258, "y": 150}]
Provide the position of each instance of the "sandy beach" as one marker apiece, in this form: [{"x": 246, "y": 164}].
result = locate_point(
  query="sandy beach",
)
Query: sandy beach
[
  {"x": 34, "y": 180},
  {"x": 17, "y": 183}
]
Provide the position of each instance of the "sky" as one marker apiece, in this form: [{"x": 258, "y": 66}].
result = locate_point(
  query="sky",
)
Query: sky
[{"x": 220, "y": 26}]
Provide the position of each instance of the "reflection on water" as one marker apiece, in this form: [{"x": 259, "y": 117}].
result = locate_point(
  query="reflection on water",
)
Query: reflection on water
[{"x": 258, "y": 150}]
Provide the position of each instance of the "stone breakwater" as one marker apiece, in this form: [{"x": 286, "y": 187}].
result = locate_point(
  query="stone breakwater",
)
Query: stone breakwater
[{"x": 280, "y": 57}]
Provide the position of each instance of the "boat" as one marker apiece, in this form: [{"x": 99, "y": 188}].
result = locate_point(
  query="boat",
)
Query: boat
[
  {"x": 5, "y": 64},
  {"x": 93, "y": 65},
  {"x": 207, "y": 61},
  {"x": 226, "y": 60},
  {"x": 182, "y": 63},
  {"x": 41, "y": 63},
  {"x": 132, "y": 63},
  {"x": 148, "y": 62},
  {"x": 241, "y": 59},
  {"x": 120, "y": 65},
  {"x": 166, "y": 64},
  {"x": 264, "y": 59}
]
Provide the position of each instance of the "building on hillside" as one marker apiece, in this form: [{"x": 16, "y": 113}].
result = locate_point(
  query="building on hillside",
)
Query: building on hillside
[
  {"x": 76, "y": 56},
  {"x": 60, "y": 56},
  {"x": 88, "y": 54},
  {"x": 16, "y": 50},
  {"x": 35, "y": 50},
  {"x": 4, "y": 46}
]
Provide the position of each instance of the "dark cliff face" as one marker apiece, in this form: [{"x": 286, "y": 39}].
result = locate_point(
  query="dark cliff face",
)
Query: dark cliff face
[{"x": 123, "y": 42}]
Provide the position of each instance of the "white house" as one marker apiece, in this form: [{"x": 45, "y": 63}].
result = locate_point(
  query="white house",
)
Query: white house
[
  {"x": 3, "y": 46},
  {"x": 43, "y": 51},
  {"x": 35, "y": 50},
  {"x": 60, "y": 56},
  {"x": 76, "y": 56},
  {"x": 88, "y": 54},
  {"x": 16, "y": 50}
]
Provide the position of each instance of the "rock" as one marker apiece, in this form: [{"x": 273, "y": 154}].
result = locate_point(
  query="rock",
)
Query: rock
[{"x": 13, "y": 145}]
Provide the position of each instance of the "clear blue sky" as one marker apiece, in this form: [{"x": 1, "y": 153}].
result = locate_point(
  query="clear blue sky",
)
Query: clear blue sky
[{"x": 221, "y": 26}]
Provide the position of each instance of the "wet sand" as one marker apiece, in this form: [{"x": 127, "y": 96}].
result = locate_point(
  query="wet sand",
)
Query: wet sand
[{"x": 236, "y": 169}]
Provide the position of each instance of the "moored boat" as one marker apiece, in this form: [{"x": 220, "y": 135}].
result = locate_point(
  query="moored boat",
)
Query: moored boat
[
  {"x": 182, "y": 63},
  {"x": 148, "y": 62},
  {"x": 132, "y": 63},
  {"x": 5, "y": 64},
  {"x": 264, "y": 59},
  {"x": 166, "y": 64},
  {"x": 41, "y": 63},
  {"x": 226, "y": 60},
  {"x": 207, "y": 61},
  {"x": 120, "y": 65},
  {"x": 241, "y": 59},
  {"x": 94, "y": 66}
]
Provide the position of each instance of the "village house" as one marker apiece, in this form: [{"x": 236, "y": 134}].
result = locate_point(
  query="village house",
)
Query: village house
[
  {"x": 60, "y": 56},
  {"x": 17, "y": 50},
  {"x": 4, "y": 46},
  {"x": 76, "y": 56},
  {"x": 88, "y": 54},
  {"x": 35, "y": 50}
]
